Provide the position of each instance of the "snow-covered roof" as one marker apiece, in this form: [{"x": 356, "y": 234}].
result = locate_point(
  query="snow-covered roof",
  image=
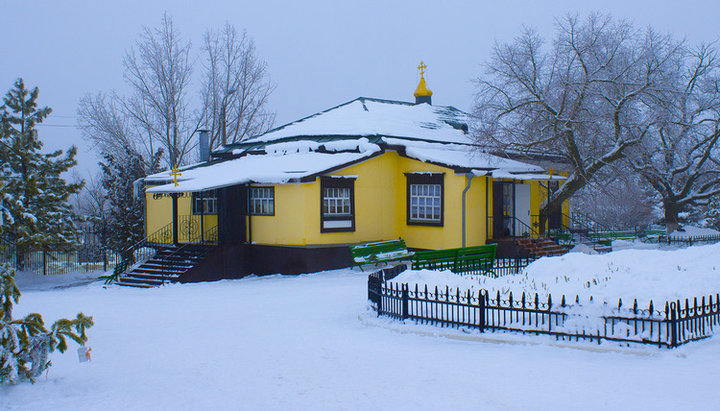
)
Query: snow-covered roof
[
  {"x": 344, "y": 135},
  {"x": 518, "y": 175},
  {"x": 279, "y": 167},
  {"x": 364, "y": 117},
  {"x": 459, "y": 156},
  {"x": 292, "y": 161}
]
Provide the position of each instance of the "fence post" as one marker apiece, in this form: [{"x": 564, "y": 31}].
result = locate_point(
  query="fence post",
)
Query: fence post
[
  {"x": 405, "y": 298},
  {"x": 673, "y": 325},
  {"x": 380, "y": 294},
  {"x": 481, "y": 309},
  {"x": 44, "y": 265}
]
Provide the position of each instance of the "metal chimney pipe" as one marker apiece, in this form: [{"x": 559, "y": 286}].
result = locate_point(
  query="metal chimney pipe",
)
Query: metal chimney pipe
[{"x": 204, "y": 146}]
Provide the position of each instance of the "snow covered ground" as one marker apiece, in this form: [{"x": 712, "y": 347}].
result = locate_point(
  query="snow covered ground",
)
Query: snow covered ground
[
  {"x": 691, "y": 231},
  {"x": 659, "y": 275},
  {"x": 308, "y": 342}
]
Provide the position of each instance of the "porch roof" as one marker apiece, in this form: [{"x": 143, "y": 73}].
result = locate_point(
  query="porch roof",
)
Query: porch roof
[
  {"x": 509, "y": 174},
  {"x": 459, "y": 156},
  {"x": 259, "y": 169}
]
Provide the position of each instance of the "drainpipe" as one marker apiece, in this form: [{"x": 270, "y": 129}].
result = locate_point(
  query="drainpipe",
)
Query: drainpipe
[
  {"x": 469, "y": 177},
  {"x": 249, "y": 214}
]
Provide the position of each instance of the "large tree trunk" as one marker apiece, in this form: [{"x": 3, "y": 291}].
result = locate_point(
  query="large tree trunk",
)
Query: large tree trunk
[{"x": 671, "y": 215}]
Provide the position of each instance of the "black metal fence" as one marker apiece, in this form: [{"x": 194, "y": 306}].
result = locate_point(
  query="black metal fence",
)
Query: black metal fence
[
  {"x": 690, "y": 240},
  {"x": 671, "y": 327},
  {"x": 56, "y": 262}
]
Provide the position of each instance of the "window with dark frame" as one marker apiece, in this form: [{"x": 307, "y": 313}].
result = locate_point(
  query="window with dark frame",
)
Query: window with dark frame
[
  {"x": 337, "y": 204},
  {"x": 262, "y": 200},
  {"x": 205, "y": 203},
  {"x": 425, "y": 199}
]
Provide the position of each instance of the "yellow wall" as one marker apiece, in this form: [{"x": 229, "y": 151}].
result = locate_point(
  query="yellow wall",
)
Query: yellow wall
[
  {"x": 380, "y": 208},
  {"x": 158, "y": 214}
]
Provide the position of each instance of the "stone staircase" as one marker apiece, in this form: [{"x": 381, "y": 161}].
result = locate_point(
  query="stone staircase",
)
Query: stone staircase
[
  {"x": 542, "y": 247},
  {"x": 166, "y": 266}
]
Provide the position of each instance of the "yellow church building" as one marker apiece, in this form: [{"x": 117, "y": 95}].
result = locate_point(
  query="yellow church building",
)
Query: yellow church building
[{"x": 294, "y": 198}]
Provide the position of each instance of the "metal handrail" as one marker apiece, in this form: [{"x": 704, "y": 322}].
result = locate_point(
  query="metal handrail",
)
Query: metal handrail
[
  {"x": 164, "y": 237},
  {"x": 153, "y": 238},
  {"x": 167, "y": 262},
  {"x": 530, "y": 230},
  {"x": 211, "y": 236}
]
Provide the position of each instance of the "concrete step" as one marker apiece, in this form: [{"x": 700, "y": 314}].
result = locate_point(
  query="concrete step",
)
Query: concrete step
[
  {"x": 122, "y": 283},
  {"x": 153, "y": 276},
  {"x": 166, "y": 266}
]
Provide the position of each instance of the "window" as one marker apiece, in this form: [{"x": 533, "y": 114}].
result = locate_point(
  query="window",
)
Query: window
[
  {"x": 204, "y": 203},
  {"x": 337, "y": 210},
  {"x": 262, "y": 200},
  {"x": 425, "y": 199}
]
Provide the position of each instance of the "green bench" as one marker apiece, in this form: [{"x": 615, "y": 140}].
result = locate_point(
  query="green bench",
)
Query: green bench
[
  {"x": 607, "y": 237},
  {"x": 459, "y": 260},
  {"x": 119, "y": 270},
  {"x": 562, "y": 237},
  {"x": 380, "y": 252}
]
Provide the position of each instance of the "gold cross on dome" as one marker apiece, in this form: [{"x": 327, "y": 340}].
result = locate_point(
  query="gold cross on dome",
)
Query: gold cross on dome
[
  {"x": 422, "y": 68},
  {"x": 175, "y": 173}
]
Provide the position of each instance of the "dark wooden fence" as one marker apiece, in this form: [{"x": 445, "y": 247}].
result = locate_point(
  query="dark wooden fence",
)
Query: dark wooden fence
[{"x": 673, "y": 326}]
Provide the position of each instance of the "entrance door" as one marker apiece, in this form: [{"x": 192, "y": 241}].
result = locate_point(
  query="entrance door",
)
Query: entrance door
[
  {"x": 232, "y": 210},
  {"x": 522, "y": 209},
  {"x": 555, "y": 219},
  {"x": 498, "y": 221}
]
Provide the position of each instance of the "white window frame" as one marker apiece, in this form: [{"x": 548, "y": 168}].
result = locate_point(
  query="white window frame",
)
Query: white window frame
[{"x": 262, "y": 201}]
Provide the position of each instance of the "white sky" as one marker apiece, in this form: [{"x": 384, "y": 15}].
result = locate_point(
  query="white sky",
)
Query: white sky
[{"x": 320, "y": 53}]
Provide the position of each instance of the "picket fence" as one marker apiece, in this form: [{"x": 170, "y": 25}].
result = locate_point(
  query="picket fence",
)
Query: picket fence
[{"x": 671, "y": 326}]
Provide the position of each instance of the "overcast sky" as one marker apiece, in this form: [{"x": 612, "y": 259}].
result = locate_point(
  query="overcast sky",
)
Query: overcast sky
[{"x": 320, "y": 54}]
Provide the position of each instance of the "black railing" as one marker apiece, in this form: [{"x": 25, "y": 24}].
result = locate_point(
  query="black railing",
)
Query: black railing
[
  {"x": 529, "y": 314},
  {"x": 500, "y": 267},
  {"x": 211, "y": 236},
  {"x": 189, "y": 232},
  {"x": 511, "y": 226},
  {"x": 49, "y": 262},
  {"x": 690, "y": 240},
  {"x": 163, "y": 236}
]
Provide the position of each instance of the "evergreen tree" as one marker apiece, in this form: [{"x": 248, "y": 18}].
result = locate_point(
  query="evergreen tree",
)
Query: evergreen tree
[
  {"x": 34, "y": 193},
  {"x": 124, "y": 223},
  {"x": 25, "y": 344}
]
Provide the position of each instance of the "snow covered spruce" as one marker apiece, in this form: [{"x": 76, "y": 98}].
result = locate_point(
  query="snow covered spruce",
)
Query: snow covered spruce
[{"x": 25, "y": 344}]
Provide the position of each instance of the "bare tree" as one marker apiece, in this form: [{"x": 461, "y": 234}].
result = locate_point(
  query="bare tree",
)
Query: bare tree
[
  {"x": 159, "y": 70},
  {"x": 237, "y": 87},
  {"x": 679, "y": 154},
  {"x": 580, "y": 97},
  {"x": 157, "y": 114},
  {"x": 110, "y": 129},
  {"x": 617, "y": 201}
]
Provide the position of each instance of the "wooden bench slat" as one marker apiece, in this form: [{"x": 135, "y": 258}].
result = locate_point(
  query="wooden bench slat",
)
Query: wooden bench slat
[{"x": 379, "y": 252}]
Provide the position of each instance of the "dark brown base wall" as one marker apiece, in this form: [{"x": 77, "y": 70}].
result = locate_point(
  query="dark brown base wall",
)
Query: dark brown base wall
[
  {"x": 509, "y": 248},
  {"x": 236, "y": 261}
]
